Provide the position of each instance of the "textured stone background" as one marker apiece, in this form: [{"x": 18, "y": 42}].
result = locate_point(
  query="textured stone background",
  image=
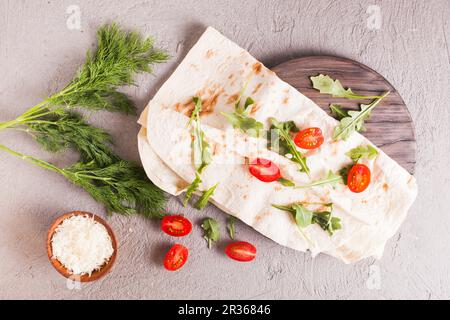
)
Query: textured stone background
[{"x": 38, "y": 54}]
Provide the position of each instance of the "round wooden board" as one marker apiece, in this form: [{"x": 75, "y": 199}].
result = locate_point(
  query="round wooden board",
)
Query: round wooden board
[{"x": 390, "y": 126}]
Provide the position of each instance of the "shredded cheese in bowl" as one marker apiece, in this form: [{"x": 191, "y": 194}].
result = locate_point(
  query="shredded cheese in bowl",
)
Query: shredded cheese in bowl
[{"x": 81, "y": 244}]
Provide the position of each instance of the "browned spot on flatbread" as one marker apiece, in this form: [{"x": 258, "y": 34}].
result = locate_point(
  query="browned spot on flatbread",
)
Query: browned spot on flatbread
[
  {"x": 385, "y": 187},
  {"x": 245, "y": 196},
  {"x": 231, "y": 76},
  {"x": 209, "y": 97},
  {"x": 255, "y": 108},
  {"x": 334, "y": 149},
  {"x": 233, "y": 98},
  {"x": 257, "y": 66},
  {"x": 258, "y": 86},
  {"x": 209, "y": 53},
  {"x": 181, "y": 184},
  {"x": 349, "y": 254},
  {"x": 262, "y": 215},
  {"x": 178, "y": 107},
  {"x": 210, "y": 102},
  {"x": 286, "y": 100},
  {"x": 216, "y": 149}
]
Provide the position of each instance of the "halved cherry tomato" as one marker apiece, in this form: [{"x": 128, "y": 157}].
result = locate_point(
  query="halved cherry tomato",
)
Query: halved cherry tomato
[
  {"x": 176, "y": 226},
  {"x": 264, "y": 170},
  {"x": 358, "y": 178},
  {"x": 176, "y": 257},
  {"x": 241, "y": 251},
  {"x": 310, "y": 138}
]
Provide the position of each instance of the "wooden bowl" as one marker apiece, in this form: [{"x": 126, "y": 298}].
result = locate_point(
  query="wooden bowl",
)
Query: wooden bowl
[{"x": 97, "y": 274}]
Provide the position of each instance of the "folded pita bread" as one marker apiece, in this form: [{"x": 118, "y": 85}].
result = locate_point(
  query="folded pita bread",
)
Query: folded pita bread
[{"x": 216, "y": 70}]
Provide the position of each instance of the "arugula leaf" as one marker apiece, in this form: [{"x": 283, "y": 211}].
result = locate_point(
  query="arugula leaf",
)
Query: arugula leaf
[
  {"x": 212, "y": 231},
  {"x": 197, "y": 108},
  {"x": 344, "y": 173},
  {"x": 337, "y": 112},
  {"x": 325, "y": 84},
  {"x": 331, "y": 178},
  {"x": 326, "y": 221},
  {"x": 301, "y": 215},
  {"x": 247, "y": 124},
  {"x": 202, "y": 158},
  {"x": 246, "y": 110},
  {"x": 304, "y": 217},
  {"x": 240, "y": 118},
  {"x": 277, "y": 143},
  {"x": 202, "y": 153},
  {"x": 279, "y": 129},
  {"x": 203, "y": 200},
  {"x": 230, "y": 226},
  {"x": 192, "y": 188},
  {"x": 360, "y": 152},
  {"x": 355, "y": 120},
  {"x": 285, "y": 182},
  {"x": 200, "y": 147}
]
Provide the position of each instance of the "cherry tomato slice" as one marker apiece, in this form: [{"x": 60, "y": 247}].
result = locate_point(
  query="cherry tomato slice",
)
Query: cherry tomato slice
[
  {"x": 241, "y": 251},
  {"x": 176, "y": 257},
  {"x": 358, "y": 178},
  {"x": 264, "y": 170},
  {"x": 310, "y": 138},
  {"x": 176, "y": 226}
]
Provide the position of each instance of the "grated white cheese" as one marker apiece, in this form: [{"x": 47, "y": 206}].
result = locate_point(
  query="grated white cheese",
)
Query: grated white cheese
[{"x": 82, "y": 244}]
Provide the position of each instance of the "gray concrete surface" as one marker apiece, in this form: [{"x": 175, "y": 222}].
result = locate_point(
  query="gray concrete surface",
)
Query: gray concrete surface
[{"x": 39, "y": 53}]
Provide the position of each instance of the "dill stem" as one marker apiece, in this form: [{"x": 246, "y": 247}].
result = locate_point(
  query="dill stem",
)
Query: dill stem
[
  {"x": 34, "y": 109},
  {"x": 26, "y": 117},
  {"x": 31, "y": 159},
  {"x": 8, "y": 124},
  {"x": 82, "y": 175}
]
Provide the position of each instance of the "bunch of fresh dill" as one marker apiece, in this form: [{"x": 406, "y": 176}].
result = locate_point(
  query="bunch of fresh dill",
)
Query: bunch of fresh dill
[{"x": 120, "y": 185}]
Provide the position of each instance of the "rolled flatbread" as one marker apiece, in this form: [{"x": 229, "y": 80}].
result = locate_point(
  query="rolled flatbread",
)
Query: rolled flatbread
[{"x": 216, "y": 70}]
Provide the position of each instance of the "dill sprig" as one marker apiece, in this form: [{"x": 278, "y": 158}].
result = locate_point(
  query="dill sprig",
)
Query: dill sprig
[
  {"x": 66, "y": 129},
  {"x": 119, "y": 56},
  {"x": 122, "y": 186}
]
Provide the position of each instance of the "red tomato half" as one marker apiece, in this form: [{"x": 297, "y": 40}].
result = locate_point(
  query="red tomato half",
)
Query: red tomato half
[
  {"x": 241, "y": 251},
  {"x": 264, "y": 170},
  {"x": 176, "y": 226},
  {"x": 176, "y": 257},
  {"x": 310, "y": 138},
  {"x": 358, "y": 178}
]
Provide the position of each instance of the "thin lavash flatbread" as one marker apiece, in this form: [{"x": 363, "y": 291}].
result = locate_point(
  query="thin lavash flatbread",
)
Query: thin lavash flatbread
[{"x": 216, "y": 69}]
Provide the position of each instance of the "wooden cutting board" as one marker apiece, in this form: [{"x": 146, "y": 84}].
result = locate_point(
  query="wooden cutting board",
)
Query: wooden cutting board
[{"x": 390, "y": 126}]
